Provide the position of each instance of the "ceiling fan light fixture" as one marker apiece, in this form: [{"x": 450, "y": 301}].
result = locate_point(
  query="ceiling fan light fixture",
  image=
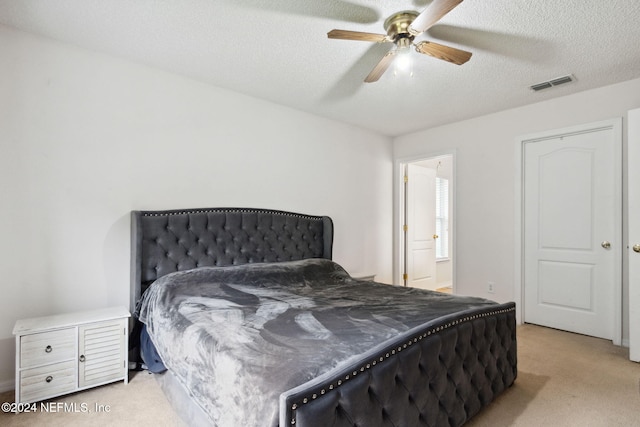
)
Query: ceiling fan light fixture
[
  {"x": 401, "y": 31},
  {"x": 403, "y": 64}
]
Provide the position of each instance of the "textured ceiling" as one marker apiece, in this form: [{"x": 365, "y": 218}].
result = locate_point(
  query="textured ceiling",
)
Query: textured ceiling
[{"x": 278, "y": 50}]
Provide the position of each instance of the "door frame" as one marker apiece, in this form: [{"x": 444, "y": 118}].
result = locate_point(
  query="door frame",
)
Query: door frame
[
  {"x": 633, "y": 231},
  {"x": 616, "y": 126},
  {"x": 399, "y": 211}
]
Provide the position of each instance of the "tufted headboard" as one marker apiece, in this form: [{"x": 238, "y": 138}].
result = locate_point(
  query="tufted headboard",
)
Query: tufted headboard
[{"x": 163, "y": 242}]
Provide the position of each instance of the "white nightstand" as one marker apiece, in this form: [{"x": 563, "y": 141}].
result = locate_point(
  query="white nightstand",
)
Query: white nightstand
[{"x": 70, "y": 352}]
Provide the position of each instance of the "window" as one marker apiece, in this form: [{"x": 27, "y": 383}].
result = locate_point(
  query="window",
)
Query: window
[{"x": 442, "y": 218}]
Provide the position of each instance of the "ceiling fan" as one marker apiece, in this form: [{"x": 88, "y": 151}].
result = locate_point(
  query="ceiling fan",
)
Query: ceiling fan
[{"x": 402, "y": 28}]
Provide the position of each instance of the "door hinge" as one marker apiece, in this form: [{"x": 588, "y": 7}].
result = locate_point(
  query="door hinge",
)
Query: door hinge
[
  {"x": 405, "y": 227},
  {"x": 405, "y": 276},
  {"x": 406, "y": 178}
]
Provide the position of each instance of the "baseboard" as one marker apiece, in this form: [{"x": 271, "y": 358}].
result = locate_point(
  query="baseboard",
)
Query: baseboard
[{"x": 7, "y": 385}]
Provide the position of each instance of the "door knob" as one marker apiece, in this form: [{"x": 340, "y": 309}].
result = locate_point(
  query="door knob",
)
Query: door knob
[
  {"x": 435, "y": 236},
  {"x": 605, "y": 244},
  {"x": 636, "y": 248}
]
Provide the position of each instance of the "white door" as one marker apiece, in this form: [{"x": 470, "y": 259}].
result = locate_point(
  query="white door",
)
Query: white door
[
  {"x": 572, "y": 231},
  {"x": 633, "y": 170},
  {"x": 421, "y": 227}
]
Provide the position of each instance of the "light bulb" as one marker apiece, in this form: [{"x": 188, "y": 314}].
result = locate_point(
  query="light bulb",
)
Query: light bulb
[{"x": 403, "y": 63}]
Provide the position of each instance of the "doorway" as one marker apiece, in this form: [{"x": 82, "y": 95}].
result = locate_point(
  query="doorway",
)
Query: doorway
[
  {"x": 569, "y": 211},
  {"x": 425, "y": 223}
]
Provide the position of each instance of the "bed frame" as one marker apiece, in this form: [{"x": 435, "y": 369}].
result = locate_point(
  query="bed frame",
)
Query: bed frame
[{"x": 439, "y": 374}]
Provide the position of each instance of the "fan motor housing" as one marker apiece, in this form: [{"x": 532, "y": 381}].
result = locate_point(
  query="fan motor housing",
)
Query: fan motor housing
[{"x": 397, "y": 25}]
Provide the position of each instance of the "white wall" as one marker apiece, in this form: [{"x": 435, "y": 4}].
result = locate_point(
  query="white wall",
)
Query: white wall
[
  {"x": 485, "y": 175},
  {"x": 85, "y": 138}
]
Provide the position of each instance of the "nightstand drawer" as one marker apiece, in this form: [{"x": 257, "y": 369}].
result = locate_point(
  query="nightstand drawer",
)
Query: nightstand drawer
[
  {"x": 47, "y": 347},
  {"x": 47, "y": 381}
]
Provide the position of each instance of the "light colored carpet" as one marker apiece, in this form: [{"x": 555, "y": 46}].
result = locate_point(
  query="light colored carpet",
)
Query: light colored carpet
[
  {"x": 567, "y": 379},
  {"x": 563, "y": 379},
  {"x": 139, "y": 403}
]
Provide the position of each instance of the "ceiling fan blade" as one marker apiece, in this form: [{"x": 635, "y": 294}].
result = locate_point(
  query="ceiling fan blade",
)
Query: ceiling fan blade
[
  {"x": 357, "y": 35},
  {"x": 432, "y": 14},
  {"x": 381, "y": 67},
  {"x": 445, "y": 53}
]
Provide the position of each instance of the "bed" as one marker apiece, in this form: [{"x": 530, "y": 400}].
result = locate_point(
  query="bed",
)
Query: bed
[{"x": 258, "y": 326}]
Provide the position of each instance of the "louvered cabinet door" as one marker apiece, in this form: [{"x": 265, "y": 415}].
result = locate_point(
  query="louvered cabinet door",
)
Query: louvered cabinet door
[{"x": 102, "y": 349}]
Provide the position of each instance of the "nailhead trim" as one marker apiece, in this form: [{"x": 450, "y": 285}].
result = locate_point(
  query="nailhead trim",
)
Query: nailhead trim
[
  {"x": 387, "y": 355},
  {"x": 229, "y": 210}
]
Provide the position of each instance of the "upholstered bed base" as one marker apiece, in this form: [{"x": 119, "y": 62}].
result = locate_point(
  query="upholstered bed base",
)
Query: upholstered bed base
[
  {"x": 178, "y": 396},
  {"x": 442, "y": 379},
  {"x": 439, "y": 374}
]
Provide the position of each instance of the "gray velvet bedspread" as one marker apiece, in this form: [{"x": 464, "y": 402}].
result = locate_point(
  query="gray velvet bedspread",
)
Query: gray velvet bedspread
[{"x": 237, "y": 337}]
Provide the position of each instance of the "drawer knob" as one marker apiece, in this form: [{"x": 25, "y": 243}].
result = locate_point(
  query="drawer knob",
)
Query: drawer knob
[
  {"x": 49, "y": 349},
  {"x": 49, "y": 379},
  {"x": 82, "y": 359}
]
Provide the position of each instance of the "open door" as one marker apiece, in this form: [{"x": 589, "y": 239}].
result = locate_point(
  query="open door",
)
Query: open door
[
  {"x": 420, "y": 227},
  {"x": 425, "y": 248}
]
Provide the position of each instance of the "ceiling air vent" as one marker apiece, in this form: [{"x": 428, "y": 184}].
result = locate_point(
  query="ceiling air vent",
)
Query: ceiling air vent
[{"x": 554, "y": 82}]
